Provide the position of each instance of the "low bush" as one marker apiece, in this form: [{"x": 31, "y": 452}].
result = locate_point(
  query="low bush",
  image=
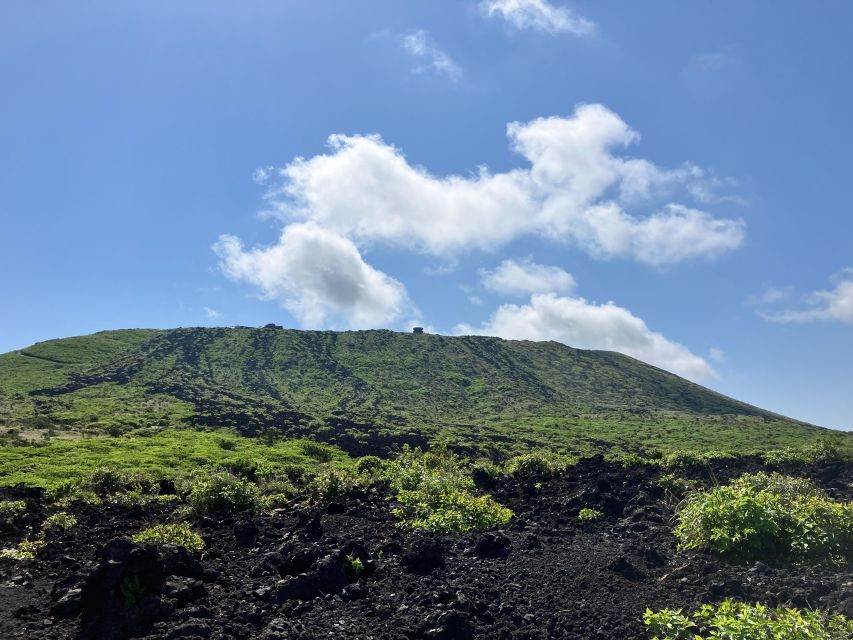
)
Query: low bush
[
  {"x": 739, "y": 621},
  {"x": 320, "y": 452},
  {"x": 59, "y": 522},
  {"x": 538, "y": 463},
  {"x": 331, "y": 485},
  {"x": 820, "y": 451},
  {"x": 369, "y": 465},
  {"x": 223, "y": 492},
  {"x": 588, "y": 514},
  {"x": 434, "y": 492},
  {"x": 12, "y": 508},
  {"x": 26, "y": 550},
  {"x": 180, "y": 534},
  {"x": 676, "y": 487},
  {"x": 767, "y": 515}
]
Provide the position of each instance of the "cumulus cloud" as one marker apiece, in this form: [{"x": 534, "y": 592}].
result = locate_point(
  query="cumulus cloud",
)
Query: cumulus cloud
[
  {"x": 514, "y": 277},
  {"x": 835, "y": 304},
  {"x": 539, "y": 15},
  {"x": 575, "y": 190},
  {"x": 318, "y": 276},
  {"x": 585, "y": 325},
  {"x": 420, "y": 44}
]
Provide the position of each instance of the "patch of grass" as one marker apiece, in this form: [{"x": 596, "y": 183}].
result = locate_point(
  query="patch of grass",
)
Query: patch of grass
[
  {"x": 12, "y": 508},
  {"x": 116, "y": 464},
  {"x": 180, "y": 534},
  {"x": 676, "y": 487},
  {"x": 732, "y": 620},
  {"x": 537, "y": 463},
  {"x": 586, "y": 514},
  {"x": 434, "y": 492},
  {"x": 223, "y": 492},
  {"x": 767, "y": 515}
]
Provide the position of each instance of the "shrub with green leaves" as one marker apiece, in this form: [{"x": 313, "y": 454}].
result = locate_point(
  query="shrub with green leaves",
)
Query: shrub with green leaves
[
  {"x": 223, "y": 492},
  {"x": 732, "y": 620},
  {"x": 26, "y": 549},
  {"x": 588, "y": 514},
  {"x": 180, "y": 534},
  {"x": 434, "y": 492},
  {"x": 331, "y": 485},
  {"x": 676, "y": 487},
  {"x": 538, "y": 463},
  {"x": 59, "y": 522},
  {"x": 12, "y": 508},
  {"x": 767, "y": 515},
  {"x": 820, "y": 451}
]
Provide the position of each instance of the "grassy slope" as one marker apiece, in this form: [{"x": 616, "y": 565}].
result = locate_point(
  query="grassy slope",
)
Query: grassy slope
[{"x": 354, "y": 386}]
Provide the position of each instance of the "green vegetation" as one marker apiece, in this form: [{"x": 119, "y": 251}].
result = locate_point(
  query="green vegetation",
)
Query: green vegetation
[
  {"x": 435, "y": 493},
  {"x": 537, "y": 463},
  {"x": 767, "y": 515},
  {"x": 361, "y": 387},
  {"x": 223, "y": 492},
  {"x": 60, "y": 521},
  {"x": 12, "y": 508},
  {"x": 676, "y": 487},
  {"x": 137, "y": 459},
  {"x": 26, "y": 550},
  {"x": 586, "y": 514},
  {"x": 739, "y": 621},
  {"x": 180, "y": 534},
  {"x": 353, "y": 566},
  {"x": 823, "y": 450}
]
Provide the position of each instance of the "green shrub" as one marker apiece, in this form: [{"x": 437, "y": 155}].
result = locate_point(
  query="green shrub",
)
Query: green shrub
[
  {"x": 180, "y": 534},
  {"x": 435, "y": 493},
  {"x": 59, "y": 522},
  {"x": 538, "y": 463},
  {"x": 588, "y": 514},
  {"x": 331, "y": 485},
  {"x": 368, "y": 465},
  {"x": 223, "y": 492},
  {"x": 26, "y": 549},
  {"x": 12, "y": 508},
  {"x": 105, "y": 480},
  {"x": 739, "y": 621},
  {"x": 765, "y": 515},
  {"x": 676, "y": 487},
  {"x": 320, "y": 452},
  {"x": 822, "y": 450}
]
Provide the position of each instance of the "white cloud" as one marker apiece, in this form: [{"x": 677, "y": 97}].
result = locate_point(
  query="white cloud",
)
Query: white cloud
[
  {"x": 832, "y": 304},
  {"x": 212, "y": 313},
  {"x": 318, "y": 276},
  {"x": 514, "y": 277},
  {"x": 539, "y": 15},
  {"x": 575, "y": 190},
  {"x": 717, "y": 355},
  {"x": 584, "y": 325},
  {"x": 420, "y": 44}
]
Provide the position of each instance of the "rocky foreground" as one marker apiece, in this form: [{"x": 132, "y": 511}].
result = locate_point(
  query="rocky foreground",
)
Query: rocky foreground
[{"x": 290, "y": 574}]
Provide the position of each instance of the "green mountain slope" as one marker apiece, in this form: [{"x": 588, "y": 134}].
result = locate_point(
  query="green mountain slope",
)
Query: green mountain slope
[{"x": 366, "y": 388}]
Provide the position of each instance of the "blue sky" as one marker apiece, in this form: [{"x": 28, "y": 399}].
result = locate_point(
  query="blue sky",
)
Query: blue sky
[{"x": 667, "y": 179}]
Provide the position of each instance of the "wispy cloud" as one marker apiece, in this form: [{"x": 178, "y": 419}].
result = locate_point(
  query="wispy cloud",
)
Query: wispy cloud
[
  {"x": 419, "y": 44},
  {"x": 539, "y": 15},
  {"x": 835, "y": 304},
  {"x": 212, "y": 313}
]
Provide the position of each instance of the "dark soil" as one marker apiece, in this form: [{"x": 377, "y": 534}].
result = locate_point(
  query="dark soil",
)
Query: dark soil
[{"x": 285, "y": 575}]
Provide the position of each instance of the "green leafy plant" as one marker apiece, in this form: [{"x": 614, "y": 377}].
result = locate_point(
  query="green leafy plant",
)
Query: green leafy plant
[
  {"x": 26, "y": 549},
  {"x": 12, "y": 508},
  {"x": 131, "y": 591},
  {"x": 765, "y": 515},
  {"x": 353, "y": 566},
  {"x": 676, "y": 487},
  {"x": 180, "y": 534},
  {"x": 435, "y": 493},
  {"x": 588, "y": 514},
  {"x": 822, "y": 450},
  {"x": 331, "y": 485},
  {"x": 538, "y": 463},
  {"x": 732, "y": 620},
  {"x": 223, "y": 492},
  {"x": 61, "y": 521}
]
